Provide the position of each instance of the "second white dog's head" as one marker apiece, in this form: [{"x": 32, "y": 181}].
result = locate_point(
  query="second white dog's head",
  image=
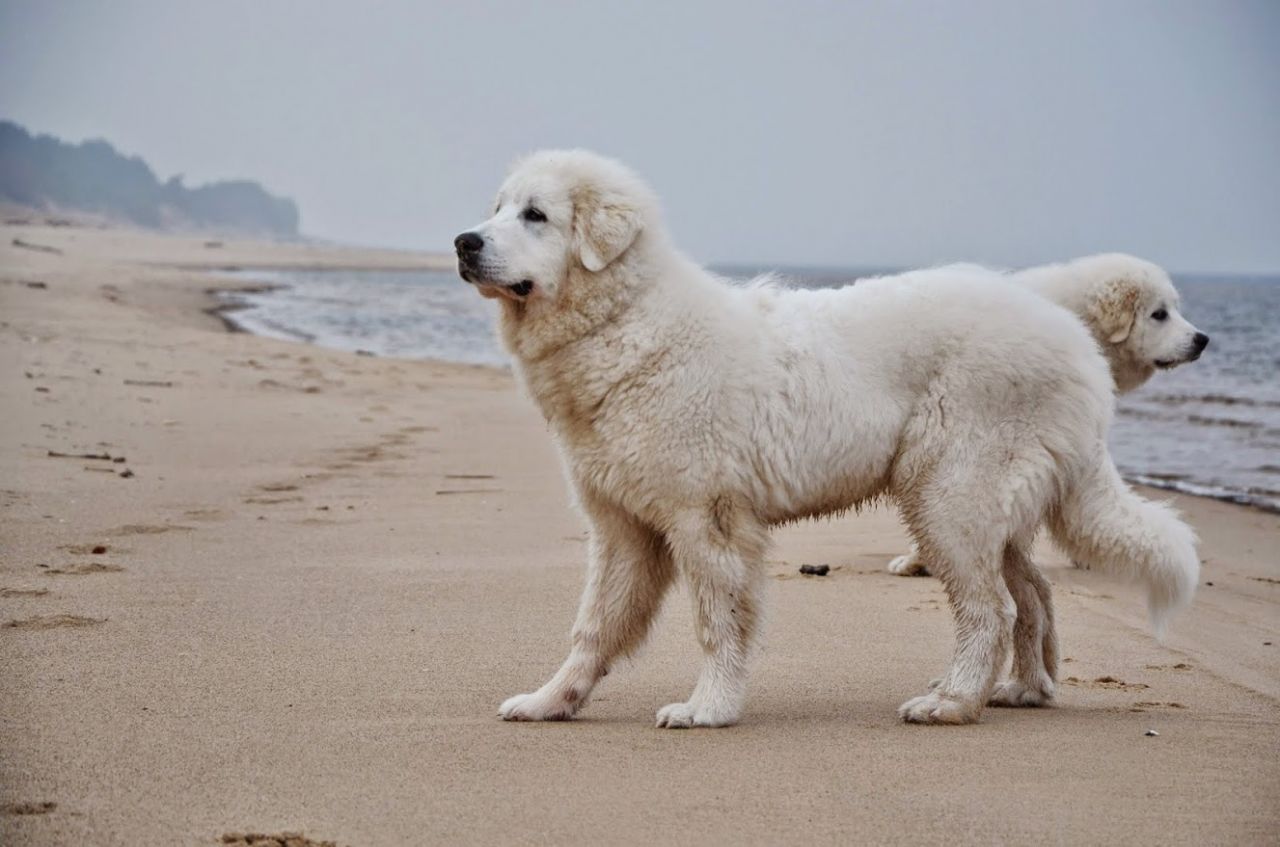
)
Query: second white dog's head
[
  {"x": 1133, "y": 309},
  {"x": 558, "y": 212}
]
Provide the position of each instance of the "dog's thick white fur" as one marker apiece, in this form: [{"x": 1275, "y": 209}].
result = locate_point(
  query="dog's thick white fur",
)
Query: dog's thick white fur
[
  {"x": 1130, "y": 306},
  {"x": 693, "y": 414}
]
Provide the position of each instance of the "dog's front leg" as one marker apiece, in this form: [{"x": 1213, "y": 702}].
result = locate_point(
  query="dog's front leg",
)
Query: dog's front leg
[
  {"x": 721, "y": 556},
  {"x": 628, "y": 571}
]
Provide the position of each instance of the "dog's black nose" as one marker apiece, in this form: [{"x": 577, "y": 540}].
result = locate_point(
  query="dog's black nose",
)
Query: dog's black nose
[
  {"x": 1202, "y": 341},
  {"x": 468, "y": 242}
]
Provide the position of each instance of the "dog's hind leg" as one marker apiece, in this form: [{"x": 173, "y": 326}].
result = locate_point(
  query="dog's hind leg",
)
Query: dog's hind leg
[
  {"x": 984, "y": 614},
  {"x": 721, "y": 557},
  {"x": 629, "y": 571},
  {"x": 962, "y": 527},
  {"x": 1035, "y": 650}
]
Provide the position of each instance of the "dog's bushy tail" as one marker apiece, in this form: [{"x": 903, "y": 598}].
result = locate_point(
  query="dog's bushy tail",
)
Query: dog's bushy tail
[{"x": 1103, "y": 523}]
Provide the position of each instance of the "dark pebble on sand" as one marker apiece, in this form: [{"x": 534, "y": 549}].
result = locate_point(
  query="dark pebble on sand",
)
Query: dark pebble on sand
[
  {"x": 99, "y": 550},
  {"x": 815, "y": 570}
]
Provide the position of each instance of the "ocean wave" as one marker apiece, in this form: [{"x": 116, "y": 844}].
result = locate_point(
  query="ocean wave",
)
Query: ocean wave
[
  {"x": 1267, "y": 501},
  {"x": 1214, "y": 399},
  {"x": 1206, "y": 420}
]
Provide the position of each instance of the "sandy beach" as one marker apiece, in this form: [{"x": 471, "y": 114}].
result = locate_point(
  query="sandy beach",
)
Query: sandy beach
[{"x": 256, "y": 586}]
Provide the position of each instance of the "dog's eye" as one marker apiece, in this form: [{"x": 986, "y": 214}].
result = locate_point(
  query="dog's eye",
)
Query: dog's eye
[
  {"x": 1160, "y": 314},
  {"x": 533, "y": 216}
]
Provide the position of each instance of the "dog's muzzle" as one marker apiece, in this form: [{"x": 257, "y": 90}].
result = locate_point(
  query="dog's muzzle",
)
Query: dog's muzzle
[
  {"x": 1198, "y": 342},
  {"x": 470, "y": 247}
]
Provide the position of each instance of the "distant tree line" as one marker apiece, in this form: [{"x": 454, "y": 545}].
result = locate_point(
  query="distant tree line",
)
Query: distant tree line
[{"x": 45, "y": 172}]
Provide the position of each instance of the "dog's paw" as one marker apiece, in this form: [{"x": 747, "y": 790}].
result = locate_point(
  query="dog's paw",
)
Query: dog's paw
[
  {"x": 934, "y": 708},
  {"x": 1014, "y": 693},
  {"x": 536, "y": 707},
  {"x": 908, "y": 565},
  {"x": 693, "y": 713}
]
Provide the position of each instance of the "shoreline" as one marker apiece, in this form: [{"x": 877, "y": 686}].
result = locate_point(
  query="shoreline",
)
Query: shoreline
[
  {"x": 222, "y": 307},
  {"x": 1245, "y": 500},
  {"x": 322, "y": 572}
]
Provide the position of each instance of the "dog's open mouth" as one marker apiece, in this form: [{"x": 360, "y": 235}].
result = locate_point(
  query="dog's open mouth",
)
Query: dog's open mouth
[
  {"x": 1168, "y": 364},
  {"x": 515, "y": 291}
]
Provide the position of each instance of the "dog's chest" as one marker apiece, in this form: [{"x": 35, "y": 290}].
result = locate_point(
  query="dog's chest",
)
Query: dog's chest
[
  {"x": 573, "y": 400},
  {"x": 606, "y": 418}
]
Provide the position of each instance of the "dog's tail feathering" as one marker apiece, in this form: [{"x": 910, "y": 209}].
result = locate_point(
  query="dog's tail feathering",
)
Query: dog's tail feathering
[{"x": 1102, "y": 522}]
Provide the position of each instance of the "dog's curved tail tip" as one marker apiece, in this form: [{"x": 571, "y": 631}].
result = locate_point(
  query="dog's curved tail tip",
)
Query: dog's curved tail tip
[{"x": 1103, "y": 522}]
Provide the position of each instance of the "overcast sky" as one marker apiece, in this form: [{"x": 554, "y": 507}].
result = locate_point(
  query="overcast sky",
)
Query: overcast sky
[{"x": 857, "y": 133}]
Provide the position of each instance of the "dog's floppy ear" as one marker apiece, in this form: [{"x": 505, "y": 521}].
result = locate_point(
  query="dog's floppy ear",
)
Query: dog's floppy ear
[
  {"x": 1114, "y": 308},
  {"x": 604, "y": 226}
]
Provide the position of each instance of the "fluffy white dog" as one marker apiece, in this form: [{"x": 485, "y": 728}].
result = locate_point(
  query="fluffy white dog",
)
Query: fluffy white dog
[
  {"x": 693, "y": 414},
  {"x": 1130, "y": 307}
]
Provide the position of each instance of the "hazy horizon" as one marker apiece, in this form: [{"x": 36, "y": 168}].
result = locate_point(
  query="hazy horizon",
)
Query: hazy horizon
[{"x": 866, "y": 134}]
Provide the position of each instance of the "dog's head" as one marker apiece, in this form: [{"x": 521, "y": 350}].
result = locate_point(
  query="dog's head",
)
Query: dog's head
[
  {"x": 1133, "y": 309},
  {"x": 558, "y": 212}
]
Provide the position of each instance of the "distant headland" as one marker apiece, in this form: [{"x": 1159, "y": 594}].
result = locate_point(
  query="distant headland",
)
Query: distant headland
[{"x": 45, "y": 173}]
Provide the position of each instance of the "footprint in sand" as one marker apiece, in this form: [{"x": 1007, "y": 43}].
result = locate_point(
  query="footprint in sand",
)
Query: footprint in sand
[
  {"x": 1144, "y": 705},
  {"x": 283, "y": 839},
  {"x": 90, "y": 549},
  {"x": 285, "y": 386},
  {"x": 148, "y": 529},
  {"x": 1107, "y": 682},
  {"x": 23, "y": 592},
  {"x": 85, "y": 569},
  {"x": 53, "y": 622},
  {"x": 205, "y": 514},
  {"x": 17, "y": 809}
]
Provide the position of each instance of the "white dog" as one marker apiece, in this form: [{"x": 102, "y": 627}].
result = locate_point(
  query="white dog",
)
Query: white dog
[
  {"x": 1131, "y": 308},
  {"x": 692, "y": 415}
]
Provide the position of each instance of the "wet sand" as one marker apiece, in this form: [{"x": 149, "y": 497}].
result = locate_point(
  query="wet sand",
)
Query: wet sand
[{"x": 294, "y": 592}]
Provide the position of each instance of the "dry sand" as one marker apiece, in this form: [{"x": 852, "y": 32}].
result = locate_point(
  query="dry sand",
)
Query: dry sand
[{"x": 302, "y": 609}]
